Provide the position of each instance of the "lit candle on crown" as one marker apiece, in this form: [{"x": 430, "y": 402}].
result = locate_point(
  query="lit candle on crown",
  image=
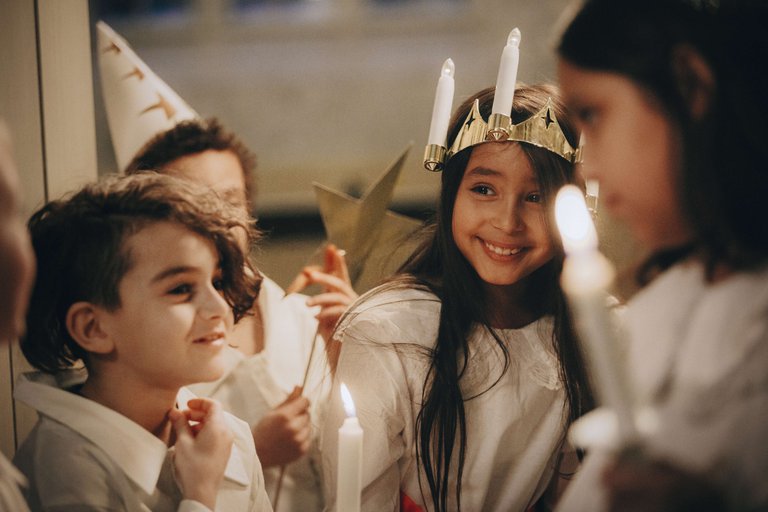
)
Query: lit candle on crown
[
  {"x": 350, "y": 469},
  {"x": 441, "y": 111},
  {"x": 505, "y": 82},
  {"x": 593, "y": 191},
  {"x": 585, "y": 279}
]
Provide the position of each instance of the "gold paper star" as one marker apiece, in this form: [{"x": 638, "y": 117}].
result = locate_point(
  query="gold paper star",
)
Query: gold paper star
[
  {"x": 377, "y": 241},
  {"x": 163, "y": 104}
]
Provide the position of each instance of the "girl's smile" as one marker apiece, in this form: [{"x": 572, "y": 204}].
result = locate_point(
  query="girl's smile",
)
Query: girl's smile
[
  {"x": 500, "y": 250},
  {"x": 498, "y": 219}
]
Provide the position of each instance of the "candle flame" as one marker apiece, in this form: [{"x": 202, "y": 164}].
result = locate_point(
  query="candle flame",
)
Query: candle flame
[
  {"x": 573, "y": 220},
  {"x": 349, "y": 405},
  {"x": 514, "y": 37},
  {"x": 448, "y": 68}
]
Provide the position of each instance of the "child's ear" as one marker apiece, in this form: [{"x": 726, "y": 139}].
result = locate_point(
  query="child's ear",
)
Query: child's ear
[
  {"x": 695, "y": 79},
  {"x": 85, "y": 327}
]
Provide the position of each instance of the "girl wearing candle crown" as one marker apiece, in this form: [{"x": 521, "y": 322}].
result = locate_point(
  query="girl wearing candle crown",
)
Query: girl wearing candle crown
[
  {"x": 671, "y": 98},
  {"x": 463, "y": 368}
]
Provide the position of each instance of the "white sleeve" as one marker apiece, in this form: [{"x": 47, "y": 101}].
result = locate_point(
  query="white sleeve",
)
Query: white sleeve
[
  {"x": 192, "y": 506},
  {"x": 371, "y": 367}
]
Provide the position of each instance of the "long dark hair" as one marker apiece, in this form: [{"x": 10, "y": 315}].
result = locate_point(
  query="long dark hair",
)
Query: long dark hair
[
  {"x": 723, "y": 181},
  {"x": 439, "y": 266}
]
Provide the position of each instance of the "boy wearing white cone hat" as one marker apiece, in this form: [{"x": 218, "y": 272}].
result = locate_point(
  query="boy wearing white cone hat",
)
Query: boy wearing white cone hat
[{"x": 154, "y": 129}]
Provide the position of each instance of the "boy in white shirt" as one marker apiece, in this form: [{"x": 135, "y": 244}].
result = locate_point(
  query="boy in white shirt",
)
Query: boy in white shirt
[{"x": 138, "y": 280}]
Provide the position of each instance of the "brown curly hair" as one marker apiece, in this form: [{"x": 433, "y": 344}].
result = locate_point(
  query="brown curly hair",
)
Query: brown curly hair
[
  {"x": 80, "y": 245},
  {"x": 189, "y": 138}
]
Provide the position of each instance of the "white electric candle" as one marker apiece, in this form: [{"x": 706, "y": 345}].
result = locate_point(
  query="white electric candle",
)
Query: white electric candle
[
  {"x": 593, "y": 188},
  {"x": 505, "y": 82},
  {"x": 593, "y": 191},
  {"x": 350, "y": 466},
  {"x": 441, "y": 111},
  {"x": 586, "y": 276}
]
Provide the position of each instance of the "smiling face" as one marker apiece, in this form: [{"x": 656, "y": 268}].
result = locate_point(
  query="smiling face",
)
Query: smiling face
[
  {"x": 499, "y": 222},
  {"x": 632, "y": 149},
  {"x": 170, "y": 327},
  {"x": 16, "y": 256}
]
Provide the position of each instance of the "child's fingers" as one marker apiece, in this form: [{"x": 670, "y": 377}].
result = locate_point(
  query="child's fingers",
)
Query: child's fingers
[
  {"x": 293, "y": 395},
  {"x": 332, "y": 313},
  {"x": 329, "y": 299},
  {"x": 202, "y": 409},
  {"x": 195, "y": 415},
  {"x": 300, "y": 425},
  {"x": 294, "y": 407},
  {"x": 180, "y": 425},
  {"x": 340, "y": 267},
  {"x": 332, "y": 282},
  {"x": 299, "y": 282},
  {"x": 330, "y": 258},
  {"x": 296, "y": 392},
  {"x": 335, "y": 263}
]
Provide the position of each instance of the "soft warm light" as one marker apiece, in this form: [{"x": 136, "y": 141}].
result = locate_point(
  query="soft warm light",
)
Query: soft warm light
[
  {"x": 349, "y": 477},
  {"x": 349, "y": 405},
  {"x": 574, "y": 222},
  {"x": 448, "y": 68},
  {"x": 441, "y": 110},
  {"x": 507, "y": 77},
  {"x": 593, "y": 188}
]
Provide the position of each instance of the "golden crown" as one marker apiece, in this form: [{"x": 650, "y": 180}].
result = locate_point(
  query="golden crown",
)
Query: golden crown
[{"x": 541, "y": 129}]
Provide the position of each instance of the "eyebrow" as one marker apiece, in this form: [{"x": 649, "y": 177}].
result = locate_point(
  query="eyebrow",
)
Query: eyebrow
[
  {"x": 483, "y": 171},
  {"x": 173, "y": 271}
]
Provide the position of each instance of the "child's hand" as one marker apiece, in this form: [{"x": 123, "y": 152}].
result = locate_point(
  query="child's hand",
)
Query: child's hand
[
  {"x": 202, "y": 450},
  {"x": 337, "y": 289},
  {"x": 283, "y": 434}
]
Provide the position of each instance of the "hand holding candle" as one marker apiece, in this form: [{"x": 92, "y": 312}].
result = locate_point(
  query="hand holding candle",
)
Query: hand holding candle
[
  {"x": 585, "y": 279},
  {"x": 441, "y": 112},
  {"x": 505, "y": 82},
  {"x": 350, "y": 461}
]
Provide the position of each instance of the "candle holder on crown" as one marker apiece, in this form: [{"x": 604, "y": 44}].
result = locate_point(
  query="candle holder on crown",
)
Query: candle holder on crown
[
  {"x": 434, "y": 157},
  {"x": 499, "y": 127}
]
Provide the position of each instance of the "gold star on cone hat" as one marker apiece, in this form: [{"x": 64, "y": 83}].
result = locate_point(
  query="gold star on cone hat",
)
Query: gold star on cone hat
[
  {"x": 376, "y": 240},
  {"x": 139, "y": 104}
]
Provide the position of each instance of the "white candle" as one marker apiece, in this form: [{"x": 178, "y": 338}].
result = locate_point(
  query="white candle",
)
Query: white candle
[
  {"x": 593, "y": 188},
  {"x": 350, "y": 467},
  {"x": 505, "y": 82},
  {"x": 593, "y": 191},
  {"x": 441, "y": 111},
  {"x": 586, "y": 276}
]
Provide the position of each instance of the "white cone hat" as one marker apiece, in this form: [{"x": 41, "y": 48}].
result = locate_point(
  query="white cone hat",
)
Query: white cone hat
[{"x": 139, "y": 104}]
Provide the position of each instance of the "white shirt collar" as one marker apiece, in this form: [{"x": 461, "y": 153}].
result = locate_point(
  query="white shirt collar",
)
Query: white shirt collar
[{"x": 138, "y": 453}]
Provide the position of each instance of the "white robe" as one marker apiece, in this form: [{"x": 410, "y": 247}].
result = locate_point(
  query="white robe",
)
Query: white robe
[
  {"x": 81, "y": 455},
  {"x": 11, "y": 480},
  {"x": 514, "y": 430},
  {"x": 698, "y": 356},
  {"x": 252, "y": 386}
]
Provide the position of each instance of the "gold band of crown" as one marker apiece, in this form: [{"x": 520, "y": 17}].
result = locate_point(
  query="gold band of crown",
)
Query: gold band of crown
[{"x": 541, "y": 129}]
